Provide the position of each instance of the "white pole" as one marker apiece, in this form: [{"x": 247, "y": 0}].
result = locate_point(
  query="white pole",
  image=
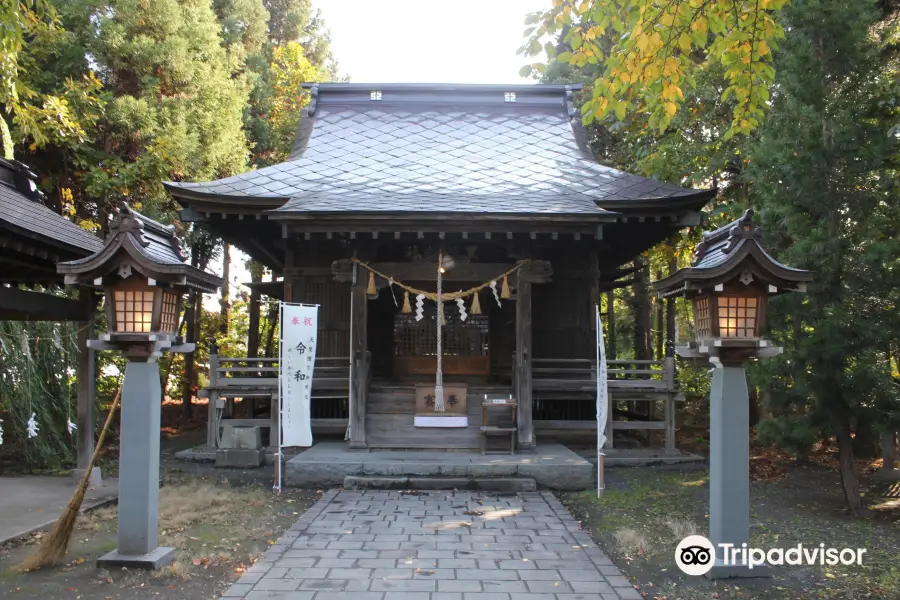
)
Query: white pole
[
  {"x": 439, "y": 375},
  {"x": 280, "y": 394},
  {"x": 348, "y": 433}
]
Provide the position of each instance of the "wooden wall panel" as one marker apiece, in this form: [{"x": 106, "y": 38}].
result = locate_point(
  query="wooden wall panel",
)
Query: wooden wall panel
[
  {"x": 562, "y": 319},
  {"x": 333, "y": 298}
]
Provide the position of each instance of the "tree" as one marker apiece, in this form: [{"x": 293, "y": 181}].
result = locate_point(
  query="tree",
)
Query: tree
[
  {"x": 174, "y": 97},
  {"x": 823, "y": 173},
  {"x": 57, "y": 116},
  {"x": 652, "y": 53}
]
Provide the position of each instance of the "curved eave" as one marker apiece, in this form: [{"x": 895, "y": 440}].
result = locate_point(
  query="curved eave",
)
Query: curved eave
[
  {"x": 102, "y": 263},
  {"x": 600, "y": 216},
  {"x": 767, "y": 268},
  {"x": 694, "y": 201},
  {"x": 212, "y": 199}
]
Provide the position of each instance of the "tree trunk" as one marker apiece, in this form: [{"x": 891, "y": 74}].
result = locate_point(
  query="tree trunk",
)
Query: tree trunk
[
  {"x": 226, "y": 291},
  {"x": 253, "y": 327},
  {"x": 660, "y": 328},
  {"x": 670, "y": 307},
  {"x": 272, "y": 318},
  {"x": 849, "y": 481},
  {"x": 865, "y": 442},
  {"x": 754, "y": 406},
  {"x": 611, "y": 324},
  {"x": 187, "y": 391},
  {"x": 643, "y": 346}
]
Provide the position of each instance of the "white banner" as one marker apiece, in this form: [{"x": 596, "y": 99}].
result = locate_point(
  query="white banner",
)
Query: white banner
[
  {"x": 299, "y": 327},
  {"x": 602, "y": 391}
]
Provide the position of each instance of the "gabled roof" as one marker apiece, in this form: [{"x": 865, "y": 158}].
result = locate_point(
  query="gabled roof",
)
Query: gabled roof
[
  {"x": 153, "y": 247},
  {"x": 23, "y": 212},
  {"x": 413, "y": 148},
  {"x": 722, "y": 256}
]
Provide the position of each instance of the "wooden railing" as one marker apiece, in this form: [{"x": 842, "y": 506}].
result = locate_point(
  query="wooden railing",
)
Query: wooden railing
[
  {"x": 245, "y": 378},
  {"x": 564, "y": 393}
]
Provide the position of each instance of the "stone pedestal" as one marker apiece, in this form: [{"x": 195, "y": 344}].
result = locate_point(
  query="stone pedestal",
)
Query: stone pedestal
[
  {"x": 95, "y": 481},
  {"x": 138, "y": 534},
  {"x": 729, "y": 470}
]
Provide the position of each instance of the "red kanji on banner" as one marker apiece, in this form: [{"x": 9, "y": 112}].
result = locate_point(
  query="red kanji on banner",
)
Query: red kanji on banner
[
  {"x": 307, "y": 321},
  {"x": 295, "y": 321}
]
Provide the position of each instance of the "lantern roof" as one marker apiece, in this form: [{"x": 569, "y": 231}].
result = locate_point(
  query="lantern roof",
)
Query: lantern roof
[
  {"x": 138, "y": 243},
  {"x": 730, "y": 252}
]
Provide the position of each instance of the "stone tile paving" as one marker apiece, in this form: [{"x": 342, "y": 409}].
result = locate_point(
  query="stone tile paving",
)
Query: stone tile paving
[{"x": 390, "y": 545}]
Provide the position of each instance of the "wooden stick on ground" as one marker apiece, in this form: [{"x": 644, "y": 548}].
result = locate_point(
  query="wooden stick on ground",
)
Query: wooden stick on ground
[{"x": 54, "y": 547}]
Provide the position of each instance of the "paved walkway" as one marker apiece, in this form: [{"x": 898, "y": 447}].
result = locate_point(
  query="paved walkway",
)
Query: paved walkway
[
  {"x": 33, "y": 502},
  {"x": 383, "y": 545}
]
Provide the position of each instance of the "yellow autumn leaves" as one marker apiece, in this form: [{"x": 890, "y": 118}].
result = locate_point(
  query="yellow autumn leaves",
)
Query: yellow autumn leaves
[{"x": 648, "y": 53}]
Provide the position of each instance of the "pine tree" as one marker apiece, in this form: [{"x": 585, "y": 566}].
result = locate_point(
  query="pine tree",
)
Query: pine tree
[
  {"x": 823, "y": 177},
  {"x": 174, "y": 96}
]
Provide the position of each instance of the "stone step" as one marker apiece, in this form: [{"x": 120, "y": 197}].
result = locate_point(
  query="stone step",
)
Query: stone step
[{"x": 401, "y": 482}]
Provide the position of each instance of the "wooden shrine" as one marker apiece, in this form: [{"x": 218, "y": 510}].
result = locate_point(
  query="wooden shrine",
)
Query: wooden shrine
[{"x": 384, "y": 179}]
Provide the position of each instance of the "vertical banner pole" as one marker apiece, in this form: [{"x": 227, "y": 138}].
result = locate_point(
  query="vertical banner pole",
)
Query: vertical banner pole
[
  {"x": 280, "y": 394},
  {"x": 602, "y": 403},
  {"x": 348, "y": 435}
]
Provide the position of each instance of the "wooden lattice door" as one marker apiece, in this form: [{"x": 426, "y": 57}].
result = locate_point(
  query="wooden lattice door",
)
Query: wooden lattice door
[{"x": 465, "y": 344}]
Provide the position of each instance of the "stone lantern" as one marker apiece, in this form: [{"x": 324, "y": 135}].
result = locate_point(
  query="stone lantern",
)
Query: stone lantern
[
  {"x": 142, "y": 271},
  {"x": 728, "y": 283}
]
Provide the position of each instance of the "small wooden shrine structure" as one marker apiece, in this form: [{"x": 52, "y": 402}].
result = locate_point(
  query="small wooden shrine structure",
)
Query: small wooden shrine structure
[
  {"x": 33, "y": 239},
  {"x": 383, "y": 178}
]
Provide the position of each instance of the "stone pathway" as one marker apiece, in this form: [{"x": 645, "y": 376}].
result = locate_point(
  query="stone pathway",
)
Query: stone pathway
[{"x": 440, "y": 545}]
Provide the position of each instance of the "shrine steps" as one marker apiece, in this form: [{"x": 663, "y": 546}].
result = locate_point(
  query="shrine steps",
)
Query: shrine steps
[
  {"x": 330, "y": 463},
  {"x": 493, "y": 484},
  {"x": 389, "y": 419}
]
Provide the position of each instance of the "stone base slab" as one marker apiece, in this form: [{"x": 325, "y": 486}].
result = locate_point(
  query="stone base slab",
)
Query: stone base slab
[
  {"x": 152, "y": 561},
  {"x": 328, "y": 463},
  {"x": 243, "y": 458},
  {"x": 499, "y": 484}
]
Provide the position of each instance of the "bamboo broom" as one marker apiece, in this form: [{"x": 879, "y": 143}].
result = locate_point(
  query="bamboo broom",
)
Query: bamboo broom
[{"x": 54, "y": 547}]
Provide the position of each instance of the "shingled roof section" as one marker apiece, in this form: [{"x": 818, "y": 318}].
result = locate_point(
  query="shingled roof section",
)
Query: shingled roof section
[
  {"x": 30, "y": 218},
  {"x": 154, "y": 248},
  {"x": 376, "y": 148}
]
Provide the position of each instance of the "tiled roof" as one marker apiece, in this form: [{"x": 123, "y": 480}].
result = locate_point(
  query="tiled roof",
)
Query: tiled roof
[
  {"x": 20, "y": 212},
  {"x": 437, "y": 148}
]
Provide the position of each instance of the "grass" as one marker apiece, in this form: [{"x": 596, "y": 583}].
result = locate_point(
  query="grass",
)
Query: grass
[
  {"x": 218, "y": 531},
  {"x": 645, "y": 512}
]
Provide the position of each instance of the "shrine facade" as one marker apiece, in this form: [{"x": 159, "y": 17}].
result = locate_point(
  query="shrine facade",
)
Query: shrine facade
[{"x": 384, "y": 178}]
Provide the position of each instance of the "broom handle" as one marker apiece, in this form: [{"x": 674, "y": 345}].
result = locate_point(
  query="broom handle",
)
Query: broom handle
[{"x": 99, "y": 446}]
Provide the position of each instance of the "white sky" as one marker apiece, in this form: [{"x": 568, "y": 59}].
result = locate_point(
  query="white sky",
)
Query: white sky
[
  {"x": 418, "y": 41},
  {"x": 456, "y": 41}
]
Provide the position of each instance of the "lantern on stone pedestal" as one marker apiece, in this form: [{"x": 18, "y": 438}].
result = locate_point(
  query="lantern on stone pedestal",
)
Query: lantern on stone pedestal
[
  {"x": 729, "y": 282},
  {"x": 143, "y": 273}
]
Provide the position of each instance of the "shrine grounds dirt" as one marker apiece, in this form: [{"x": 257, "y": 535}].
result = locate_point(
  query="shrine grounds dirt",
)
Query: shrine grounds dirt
[
  {"x": 218, "y": 529},
  {"x": 646, "y": 511}
]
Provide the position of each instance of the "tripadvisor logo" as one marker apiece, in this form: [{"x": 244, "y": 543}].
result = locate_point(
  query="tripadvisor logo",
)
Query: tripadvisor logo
[{"x": 695, "y": 555}]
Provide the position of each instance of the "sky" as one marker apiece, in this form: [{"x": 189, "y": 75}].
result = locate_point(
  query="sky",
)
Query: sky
[{"x": 416, "y": 41}]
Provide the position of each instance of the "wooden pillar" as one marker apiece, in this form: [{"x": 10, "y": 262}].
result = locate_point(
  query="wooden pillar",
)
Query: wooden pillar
[
  {"x": 611, "y": 325},
  {"x": 212, "y": 426},
  {"x": 359, "y": 367},
  {"x": 523, "y": 359},
  {"x": 87, "y": 384}
]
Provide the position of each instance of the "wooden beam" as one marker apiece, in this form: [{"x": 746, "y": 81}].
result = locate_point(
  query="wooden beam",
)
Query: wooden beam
[
  {"x": 21, "y": 305},
  {"x": 523, "y": 360},
  {"x": 406, "y": 272},
  {"x": 359, "y": 371}
]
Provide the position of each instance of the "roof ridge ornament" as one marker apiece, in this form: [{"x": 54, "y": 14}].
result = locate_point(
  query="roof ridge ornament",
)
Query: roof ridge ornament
[
  {"x": 741, "y": 229},
  {"x": 313, "y": 99}
]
